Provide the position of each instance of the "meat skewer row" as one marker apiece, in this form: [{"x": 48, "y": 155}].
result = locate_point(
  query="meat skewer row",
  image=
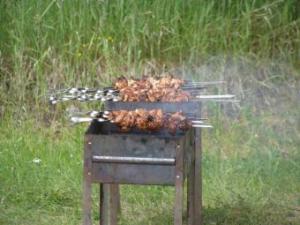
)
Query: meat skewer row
[
  {"x": 104, "y": 115},
  {"x": 83, "y": 98},
  {"x": 153, "y": 97},
  {"x": 166, "y": 80},
  {"x": 148, "y": 89},
  {"x": 151, "y": 89},
  {"x": 129, "y": 95},
  {"x": 147, "y": 120}
]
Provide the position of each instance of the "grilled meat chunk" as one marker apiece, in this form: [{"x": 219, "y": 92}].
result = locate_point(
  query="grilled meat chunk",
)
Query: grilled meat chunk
[
  {"x": 121, "y": 83},
  {"x": 155, "y": 119},
  {"x": 142, "y": 119},
  {"x": 177, "y": 121},
  {"x": 150, "y": 120},
  {"x": 150, "y": 89}
]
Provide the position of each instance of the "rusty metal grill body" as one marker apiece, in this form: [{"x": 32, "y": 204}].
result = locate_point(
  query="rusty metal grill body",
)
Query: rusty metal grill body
[{"x": 149, "y": 158}]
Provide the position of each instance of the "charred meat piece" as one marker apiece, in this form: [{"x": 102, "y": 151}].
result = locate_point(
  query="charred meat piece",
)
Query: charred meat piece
[
  {"x": 121, "y": 83},
  {"x": 123, "y": 118},
  {"x": 176, "y": 96},
  {"x": 117, "y": 116},
  {"x": 155, "y": 119},
  {"x": 177, "y": 121},
  {"x": 142, "y": 119},
  {"x": 155, "y": 95},
  {"x": 130, "y": 95},
  {"x": 169, "y": 81},
  {"x": 150, "y": 120},
  {"x": 128, "y": 121}
]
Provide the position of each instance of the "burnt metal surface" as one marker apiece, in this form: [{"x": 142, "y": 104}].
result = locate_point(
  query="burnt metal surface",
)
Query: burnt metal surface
[
  {"x": 133, "y": 174},
  {"x": 133, "y": 145},
  {"x": 135, "y": 159}
]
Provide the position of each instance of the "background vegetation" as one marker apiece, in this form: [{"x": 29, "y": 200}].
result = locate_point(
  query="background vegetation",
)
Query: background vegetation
[{"x": 251, "y": 157}]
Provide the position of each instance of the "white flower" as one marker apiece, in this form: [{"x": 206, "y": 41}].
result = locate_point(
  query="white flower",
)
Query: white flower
[{"x": 36, "y": 160}]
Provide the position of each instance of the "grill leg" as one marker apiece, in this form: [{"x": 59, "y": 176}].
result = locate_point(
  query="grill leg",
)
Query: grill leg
[
  {"x": 87, "y": 202},
  {"x": 178, "y": 208},
  {"x": 191, "y": 190},
  {"x": 198, "y": 178},
  {"x": 87, "y": 183},
  {"x": 178, "y": 201},
  {"x": 114, "y": 203},
  {"x": 118, "y": 198},
  {"x": 102, "y": 206},
  {"x": 109, "y": 201}
]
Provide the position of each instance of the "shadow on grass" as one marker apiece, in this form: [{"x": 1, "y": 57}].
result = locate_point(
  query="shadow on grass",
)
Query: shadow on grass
[
  {"x": 245, "y": 214},
  {"x": 240, "y": 213}
]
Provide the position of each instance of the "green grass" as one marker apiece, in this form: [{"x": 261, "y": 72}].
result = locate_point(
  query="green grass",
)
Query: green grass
[
  {"x": 251, "y": 176},
  {"x": 50, "y": 43}
]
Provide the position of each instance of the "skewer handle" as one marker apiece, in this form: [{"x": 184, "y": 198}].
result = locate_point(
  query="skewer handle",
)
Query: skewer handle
[
  {"x": 202, "y": 126},
  {"x": 85, "y": 119}
]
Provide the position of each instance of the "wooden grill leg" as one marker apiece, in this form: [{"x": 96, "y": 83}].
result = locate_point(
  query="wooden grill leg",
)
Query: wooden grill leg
[
  {"x": 118, "y": 198},
  {"x": 87, "y": 202},
  {"x": 191, "y": 190},
  {"x": 108, "y": 204},
  {"x": 198, "y": 178},
  {"x": 87, "y": 183},
  {"x": 114, "y": 203},
  {"x": 102, "y": 206},
  {"x": 178, "y": 207}
]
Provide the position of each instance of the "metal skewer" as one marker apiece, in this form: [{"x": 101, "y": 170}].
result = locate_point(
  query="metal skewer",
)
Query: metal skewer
[
  {"x": 202, "y": 126},
  {"x": 215, "y": 96},
  {"x": 75, "y": 119},
  {"x": 205, "y": 82},
  {"x": 197, "y": 121}
]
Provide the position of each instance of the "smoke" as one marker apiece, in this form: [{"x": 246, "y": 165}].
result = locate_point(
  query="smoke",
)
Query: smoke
[{"x": 261, "y": 86}]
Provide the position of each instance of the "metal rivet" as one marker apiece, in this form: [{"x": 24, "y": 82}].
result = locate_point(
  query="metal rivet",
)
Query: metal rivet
[{"x": 89, "y": 143}]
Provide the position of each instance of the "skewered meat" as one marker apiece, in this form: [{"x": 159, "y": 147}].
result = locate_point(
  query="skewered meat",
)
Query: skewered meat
[
  {"x": 155, "y": 119},
  {"x": 151, "y": 120},
  {"x": 124, "y": 119},
  {"x": 142, "y": 118},
  {"x": 150, "y": 89},
  {"x": 169, "y": 81},
  {"x": 176, "y": 95},
  {"x": 121, "y": 82},
  {"x": 177, "y": 120}
]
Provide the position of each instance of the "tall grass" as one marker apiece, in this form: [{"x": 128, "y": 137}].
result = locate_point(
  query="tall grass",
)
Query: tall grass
[{"x": 53, "y": 42}]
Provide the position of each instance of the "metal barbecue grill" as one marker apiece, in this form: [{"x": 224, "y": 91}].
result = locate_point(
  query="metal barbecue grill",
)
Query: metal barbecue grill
[
  {"x": 114, "y": 154},
  {"x": 112, "y": 157}
]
